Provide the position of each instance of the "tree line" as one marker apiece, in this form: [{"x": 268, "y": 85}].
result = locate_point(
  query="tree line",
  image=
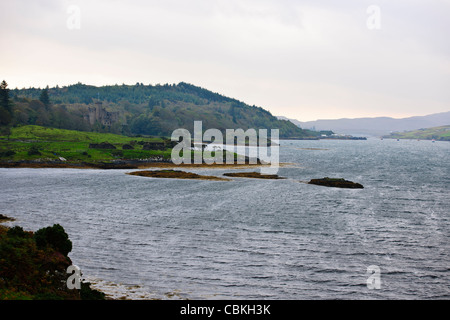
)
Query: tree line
[{"x": 154, "y": 110}]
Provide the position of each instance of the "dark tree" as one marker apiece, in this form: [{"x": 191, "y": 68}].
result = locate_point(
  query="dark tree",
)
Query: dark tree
[
  {"x": 5, "y": 104},
  {"x": 44, "y": 98},
  {"x": 152, "y": 102}
]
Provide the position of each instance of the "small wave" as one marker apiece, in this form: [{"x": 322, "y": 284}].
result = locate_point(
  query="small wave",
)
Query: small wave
[
  {"x": 278, "y": 231},
  {"x": 331, "y": 271},
  {"x": 118, "y": 291},
  {"x": 262, "y": 277}
]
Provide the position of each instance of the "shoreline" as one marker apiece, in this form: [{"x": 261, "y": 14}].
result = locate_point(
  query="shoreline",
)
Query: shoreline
[{"x": 123, "y": 165}]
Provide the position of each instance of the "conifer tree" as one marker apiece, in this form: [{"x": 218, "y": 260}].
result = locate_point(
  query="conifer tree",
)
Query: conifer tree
[
  {"x": 44, "y": 98},
  {"x": 6, "y": 111}
]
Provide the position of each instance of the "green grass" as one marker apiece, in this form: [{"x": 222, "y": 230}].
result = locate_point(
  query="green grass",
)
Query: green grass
[
  {"x": 71, "y": 145},
  {"x": 51, "y": 134}
]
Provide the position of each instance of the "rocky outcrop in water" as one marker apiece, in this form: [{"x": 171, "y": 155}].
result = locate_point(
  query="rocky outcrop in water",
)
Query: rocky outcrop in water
[
  {"x": 256, "y": 175},
  {"x": 336, "y": 183},
  {"x": 174, "y": 174}
]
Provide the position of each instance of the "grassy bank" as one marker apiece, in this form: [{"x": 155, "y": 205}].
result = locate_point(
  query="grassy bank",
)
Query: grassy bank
[
  {"x": 31, "y": 143},
  {"x": 41, "y": 147}
]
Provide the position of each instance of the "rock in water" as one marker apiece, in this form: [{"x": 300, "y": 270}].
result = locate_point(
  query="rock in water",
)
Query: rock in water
[
  {"x": 336, "y": 183},
  {"x": 252, "y": 175}
]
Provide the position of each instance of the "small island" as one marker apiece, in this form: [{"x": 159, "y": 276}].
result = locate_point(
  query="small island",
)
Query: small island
[
  {"x": 174, "y": 174},
  {"x": 336, "y": 183},
  {"x": 256, "y": 175}
]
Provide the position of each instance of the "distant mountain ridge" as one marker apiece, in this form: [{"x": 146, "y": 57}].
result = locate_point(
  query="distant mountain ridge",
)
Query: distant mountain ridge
[{"x": 377, "y": 126}]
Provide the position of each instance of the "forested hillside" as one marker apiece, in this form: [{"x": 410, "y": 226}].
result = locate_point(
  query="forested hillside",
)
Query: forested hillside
[{"x": 140, "y": 109}]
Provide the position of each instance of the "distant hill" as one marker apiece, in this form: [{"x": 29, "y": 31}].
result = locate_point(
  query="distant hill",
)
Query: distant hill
[
  {"x": 142, "y": 110},
  {"x": 378, "y": 126},
  {"x": 441, "y": 133}
]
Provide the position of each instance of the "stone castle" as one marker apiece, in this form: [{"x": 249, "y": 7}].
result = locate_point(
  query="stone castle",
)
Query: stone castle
[{"x": 99, "y": 113}]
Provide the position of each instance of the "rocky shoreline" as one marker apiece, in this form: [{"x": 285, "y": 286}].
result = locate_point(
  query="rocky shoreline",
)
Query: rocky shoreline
[{"x": 119, "y": 164}]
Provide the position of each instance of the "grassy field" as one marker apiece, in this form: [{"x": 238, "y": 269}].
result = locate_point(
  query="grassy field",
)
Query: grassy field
[{"x": 27, "y": 143}]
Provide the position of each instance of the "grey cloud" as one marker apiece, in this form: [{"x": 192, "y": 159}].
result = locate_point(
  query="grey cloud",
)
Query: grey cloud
[{"x": 287, "y": 42}]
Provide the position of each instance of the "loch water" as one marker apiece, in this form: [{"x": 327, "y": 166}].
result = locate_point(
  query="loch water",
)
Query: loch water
[{"x": 148, "y": 238}]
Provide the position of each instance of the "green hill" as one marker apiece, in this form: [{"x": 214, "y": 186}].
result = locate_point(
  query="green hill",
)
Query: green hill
[
  {"x": 142, "y": 110},
  {"x": 441, "y": 133}
]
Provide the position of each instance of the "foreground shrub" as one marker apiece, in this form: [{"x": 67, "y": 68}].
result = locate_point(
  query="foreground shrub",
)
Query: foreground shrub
[
  {"x": 54, "y": 237},
  {"x": 29, "y": 271}
]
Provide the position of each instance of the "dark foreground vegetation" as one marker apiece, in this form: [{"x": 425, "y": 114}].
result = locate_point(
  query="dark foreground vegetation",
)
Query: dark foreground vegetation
[{"x": 33, "y": 266}]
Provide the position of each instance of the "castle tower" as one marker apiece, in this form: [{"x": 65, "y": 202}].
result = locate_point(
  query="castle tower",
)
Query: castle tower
[{"x": 98, "y": 111}]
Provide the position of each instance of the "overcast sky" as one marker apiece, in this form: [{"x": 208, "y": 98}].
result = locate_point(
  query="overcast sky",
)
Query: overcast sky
[{"x": 305, "y": 60}]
